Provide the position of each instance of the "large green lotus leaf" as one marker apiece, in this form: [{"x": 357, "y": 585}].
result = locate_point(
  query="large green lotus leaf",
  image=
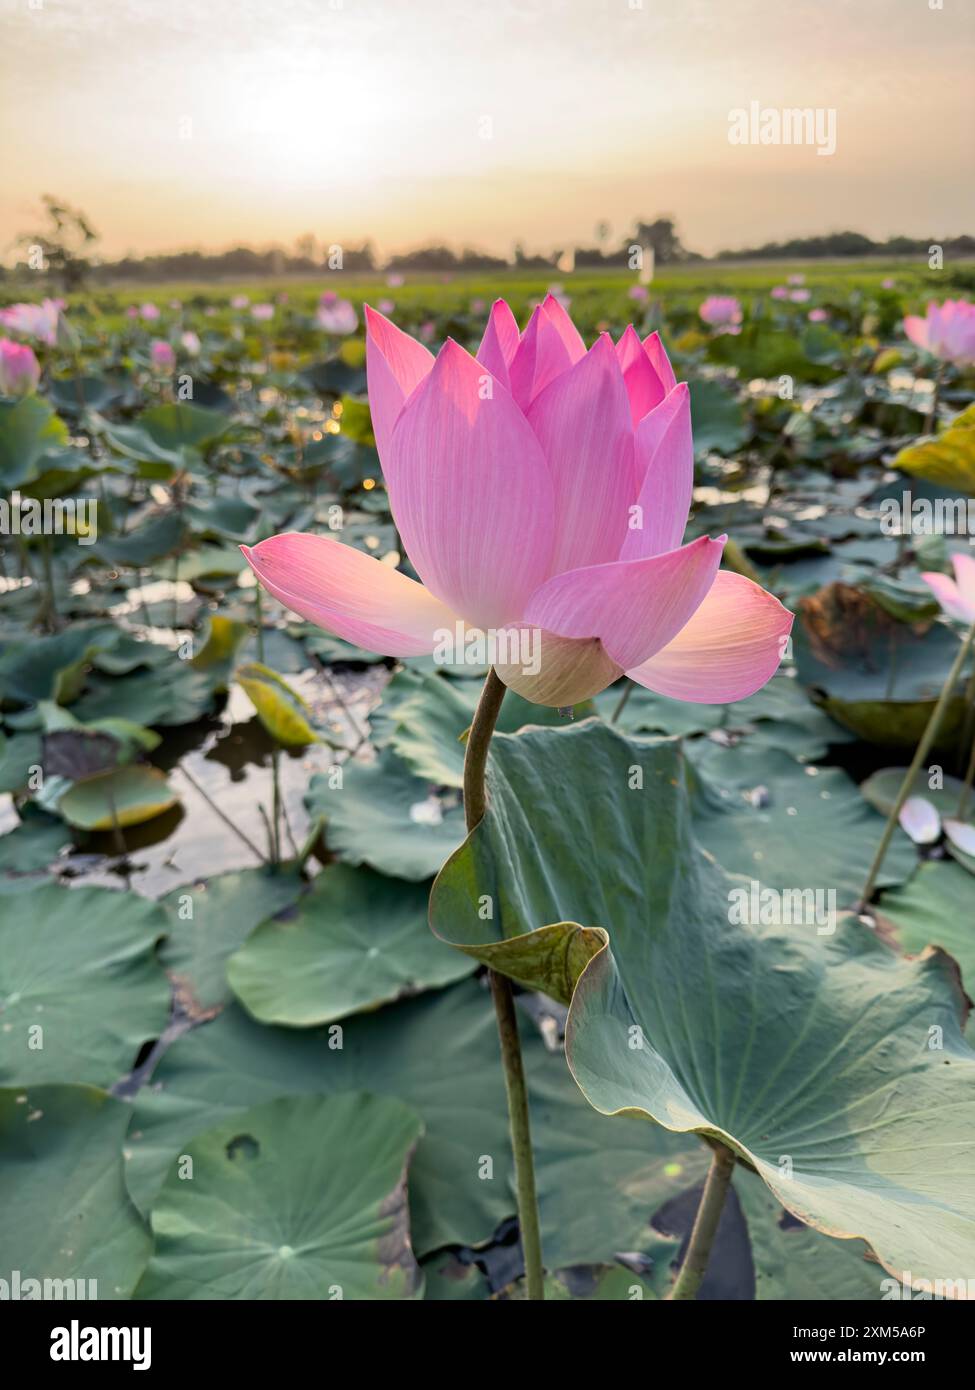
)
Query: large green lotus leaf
[
  {"x": 461, "y": 1182},
  {"x": 384, "y": 816},
  {"x": 882, "y": 789},
  {"x": 207, "y": 920},
  {"x": 647, "y": 712},
  {"x": 356, "y": 940},
  {"x": 175, "y": 694},
  {"x": 717, "y": 418},
  {"x": 68, "y": 1215},
  {"x": 764, "y": 815},
  {"x": 807, "y": 1054},
  {"x": 875, "y": 675},
  {"x": 300, "y": 1198},
  {"x": 127, "y": 795},
  {"x": 150, "y": 541},
  {"x": 425, "y": 718},
  {"x": 80, "y": 987},
  {"x": 935, "y": 909},
  {"x": 53, "y": 668},
  {"x": 793, "y": 1262},
  {"x": 18, "y": 755},
  {"x": 947, "y": 459},
  {"x": 32, "y": 844},
  {"x": 28, "y": 429}
]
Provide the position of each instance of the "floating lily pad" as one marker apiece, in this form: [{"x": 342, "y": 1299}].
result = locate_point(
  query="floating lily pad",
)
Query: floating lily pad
[
  {"x": 128, "y": 795},
  {"x": 384, "y": 816},
  {"x": 80, "y": 987},
  {"x": 461, "y": 1183},
  {"x": 72, "y": 1220},
  {"x": 764, "y": 815},
  {"x": 301, "y": 1198},
  {"x": 29, "y": 428},
  {"x": 355, "y": 940},
  {"x": 208, "y": 920}
]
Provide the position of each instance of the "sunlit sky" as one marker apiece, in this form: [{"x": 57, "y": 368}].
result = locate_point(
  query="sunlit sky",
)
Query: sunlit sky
[{"x": 211, "y": 123}]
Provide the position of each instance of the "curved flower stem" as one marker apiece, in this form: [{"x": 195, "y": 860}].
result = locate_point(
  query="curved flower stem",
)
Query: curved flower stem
[
  {"x": 621, "y": 704},
  {"x": 475, "y": 803},
  {"x": 923, "y": 748},
  {"x": 709, "y": 1211}
]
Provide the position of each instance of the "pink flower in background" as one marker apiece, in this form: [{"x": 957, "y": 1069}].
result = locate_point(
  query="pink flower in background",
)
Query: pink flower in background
[
  {"x": 239, "y": 301},
  {"x": 161, "y": 355},
  {"x": 336, "y": 315},
  {"x": 722, "y": 311},
  {"x": 38, "y": 321},
  {"x": 545, "y": 489},
  {"x": 262, "y": 312},
  {"x": 956, "y": 596},
  {"x": 817, "y": 315},
  {"x": 132, "y": 312},
  {"x": 19, "y": 369},
  {"x": 190, "y": 342},
  {"x": 477, "y": 306},
  {"x": 386, "y": 306},
  {"x": 947, "y": 331},
  {"x": 149, "y": 312},
  {"x": 800, "y": 296},
  {"x": 638, "y": 292},
  {"x": 395, "y": 280},
  {"x": 780, "y": 292},
  {"x": 887, "y": 284},
  {"x": 797, "y": 279},
  {"x": 427, "y": 330}
]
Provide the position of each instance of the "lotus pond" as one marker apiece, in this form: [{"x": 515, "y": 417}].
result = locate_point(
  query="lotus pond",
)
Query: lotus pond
[{"x": 248, "y": 1047}]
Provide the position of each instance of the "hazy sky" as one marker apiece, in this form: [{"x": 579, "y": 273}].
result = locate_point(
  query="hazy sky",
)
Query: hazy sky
[{"x": 178, "y": 123}]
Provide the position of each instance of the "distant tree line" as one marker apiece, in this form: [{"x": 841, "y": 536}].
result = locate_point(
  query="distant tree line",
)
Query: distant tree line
[
  {"x": 851, "y": 244},
  {"x": 63, "y": 249}
]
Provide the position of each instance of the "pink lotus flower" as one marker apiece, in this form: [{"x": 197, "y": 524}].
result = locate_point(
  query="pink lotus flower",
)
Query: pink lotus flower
[
  {"x": 38, "y": 321},
  {"x": 947, "y": 331},
  {"x": 395, "y": 280},
  {"x": 149, "y": 312},
  {"x": 132, "y": 312},
  {"x": 800, "y": 296},
  {"x": 797, "y": 279},
  {"x": 817, "y": 315},
  {"x": 239, "y": 301},
  {"x": 887, "y": 284},
  {"x": 542, "y": 489},
  {"x": 262, "y": 312},
  {"x": 780, "y": 292},
  {"x": 721, "y": 311},
  {"x": 161, "y": 355},
  {"x": 956, "y": 596},
  {"x": 19, "y": 369},
  {"x": 336, "y": 315},
  {"x": 386, "y": 306},
  {"x": 190, "y": 342},
  {"x": 638, "y": 292}
]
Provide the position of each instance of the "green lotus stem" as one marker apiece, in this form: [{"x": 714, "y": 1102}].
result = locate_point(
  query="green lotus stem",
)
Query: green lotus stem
[
  {"x": 706, "y": 1221},
  {"x": 475, "y": 804},
  {"x": 923, "y": 748},
  {"x": 966, "y": 789},
  {"x": 621, "y": 704}
]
